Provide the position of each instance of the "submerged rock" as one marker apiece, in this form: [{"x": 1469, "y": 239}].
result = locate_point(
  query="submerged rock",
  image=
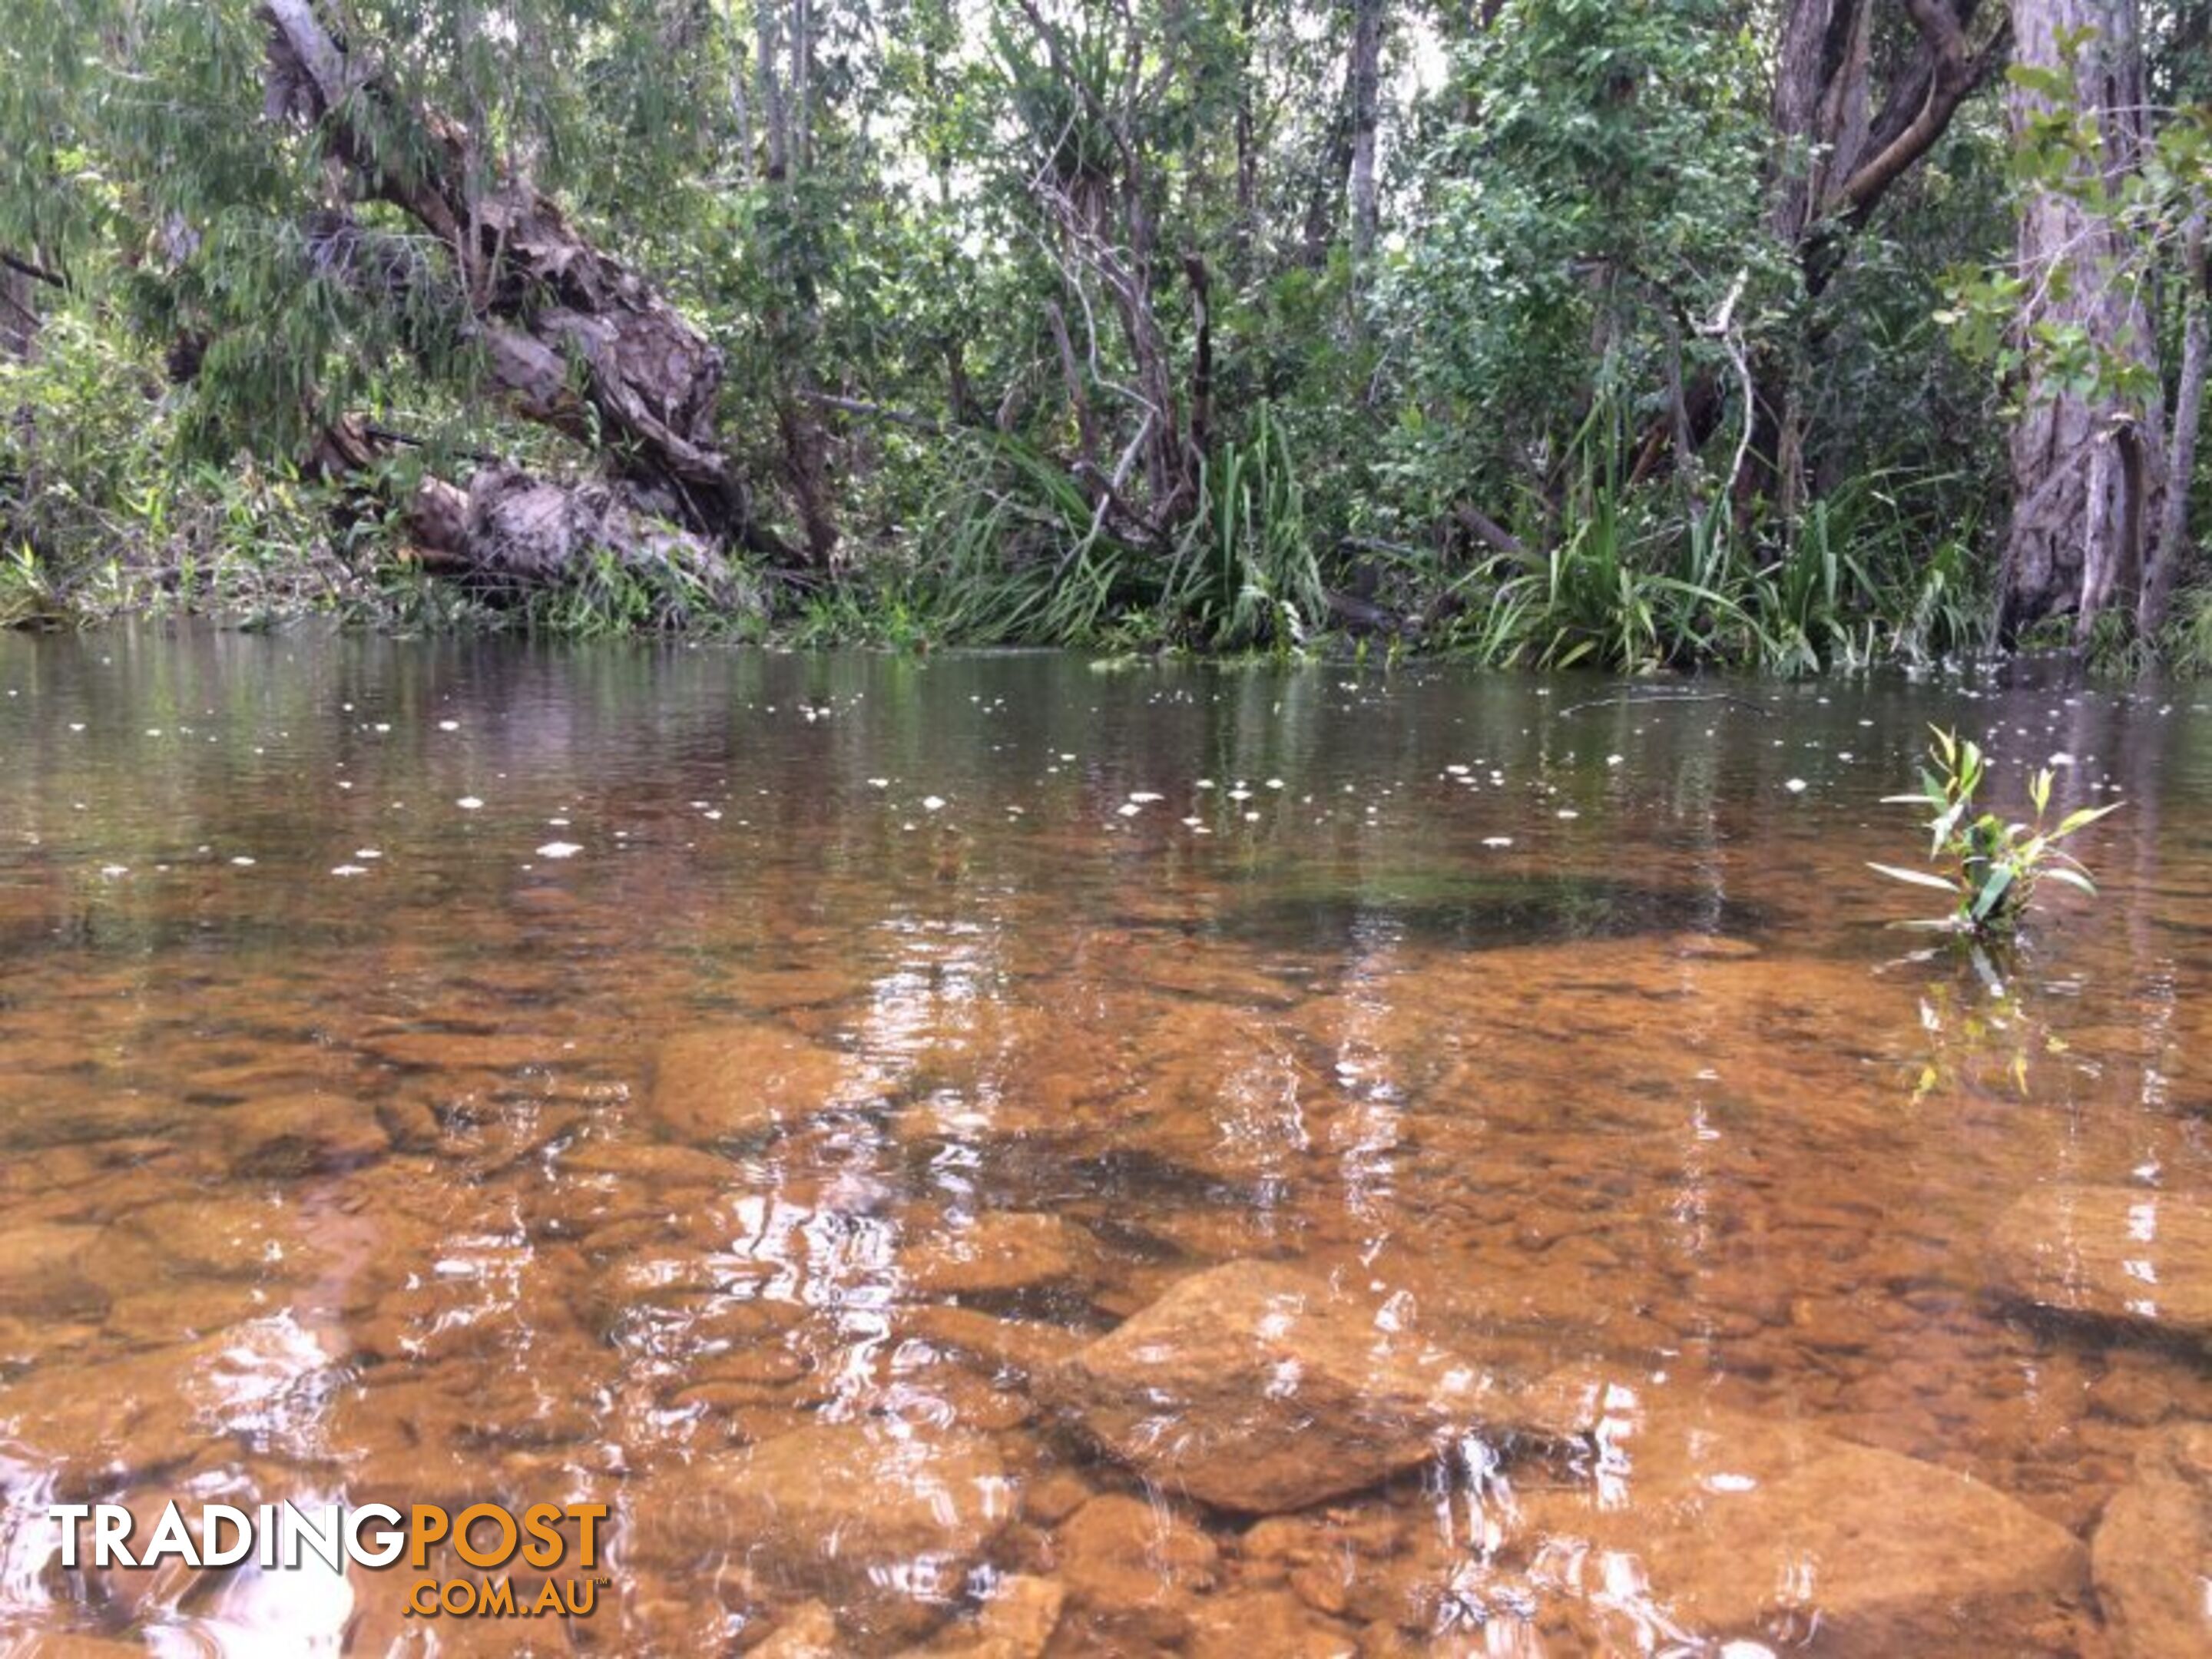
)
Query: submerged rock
[
  {"x": 2129, "y": 1254},
  {"x": 1727, "y": 1527},
  {"x": 142, "y": 1414},
  {"x": 463, "y": 1051},
  {"x": 49, "y": 1270},
  {"x": 1275, "y": 1623},
  {"x": 808, "y": 1631},
  {"x": 739, "y": 1080},
  {"x": 1018, "y": 1621},
  {"x": 884, "y": 1524},
  {"x": 1019, "y": 1345},
  {"x": 1135, "y": 1568},
  {"x": 304, "y": 1135},
  {"x": 2153, "y": 1553},
  {"x": 1258, "y": 1388},
  {"x": 998, "y": 1254},
  {"x": 1019, "y": 1618}
]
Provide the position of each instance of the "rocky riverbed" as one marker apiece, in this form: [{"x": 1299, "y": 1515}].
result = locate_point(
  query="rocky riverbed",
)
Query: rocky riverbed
[{"x": 1022, "y": 1227}]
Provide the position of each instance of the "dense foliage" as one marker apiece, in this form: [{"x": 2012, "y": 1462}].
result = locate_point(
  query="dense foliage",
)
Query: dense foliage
[{"x": 1638, "y": 332}]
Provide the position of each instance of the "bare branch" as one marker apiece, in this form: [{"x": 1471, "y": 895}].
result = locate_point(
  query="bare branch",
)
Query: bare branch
[{"x": 1956, "y": 72}]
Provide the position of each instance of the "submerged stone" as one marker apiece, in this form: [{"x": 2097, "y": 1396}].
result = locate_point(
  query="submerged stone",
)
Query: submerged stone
[
  {"x": 2152, "y": 1552},
  {"x": 808, "y": 1631},
  {"x": 142, "y": 1414},
  {"x": 462, "y": 1051},
  {"x": 303, "y": 1135},
  {"x": 1135, "y": 1568},
  {"x": 1727, "y": 1526},
  {"x": 739, "y": 1080},
  {"x": 1257, "y": 1387},
  {"x": 49, "y": 1269},
  {"x": 997, "y": 1253},
  {"x": 2132, "y": 1256},
  {"x": 1247, "y": 1623},
  {"x": 1026, "y": 1345},
  {"x": 1020, "y": 1617},
  {"x": 884, "y": 1524}
]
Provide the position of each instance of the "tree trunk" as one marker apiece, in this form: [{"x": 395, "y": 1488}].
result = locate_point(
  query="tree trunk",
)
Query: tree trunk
[
  {"x": 773, "y": 116},
  {"x": 19, "y": 314},
  {"x": 802, "y": 83},
  {"x": 1364, "y": 79},
  {"x": 1325, "y": 200},
  {"x": 1821, "y": 105},
  {"x": 1823, "y": 109},
  {"x": 507, "y": 533},
  {"x": 1839, "y": 154},
  {"x": 2171, "y": 547},
  {"x": 740, "y": 105},
  {"x": 2087, "y": 467},
  {"x": 578, "y": 339},
  {"x": 1248, "y": 150}
]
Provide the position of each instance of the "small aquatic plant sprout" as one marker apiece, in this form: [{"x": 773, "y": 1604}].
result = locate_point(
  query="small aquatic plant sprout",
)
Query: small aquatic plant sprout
[{"x": 1990, "y": 867}]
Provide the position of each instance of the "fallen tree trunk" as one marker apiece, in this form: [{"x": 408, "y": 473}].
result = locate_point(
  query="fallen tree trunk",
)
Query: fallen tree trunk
[
  {"x": 578, "y": 340},
  {"x": 508, "y": 527},
  {"x": 507, "y": 532}
]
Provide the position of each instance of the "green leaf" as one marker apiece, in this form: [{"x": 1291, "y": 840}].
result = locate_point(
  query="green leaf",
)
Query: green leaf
[
  {"x": 2081, "y": 819},
  {"x": 1993, "y": 892},
  {"x": 2072, "y": 877},
  {"x": 1917, "y": 877}
]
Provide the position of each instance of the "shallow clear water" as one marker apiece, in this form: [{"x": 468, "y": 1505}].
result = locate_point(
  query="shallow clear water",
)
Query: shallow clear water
[{"x": 436, "y": 1072}]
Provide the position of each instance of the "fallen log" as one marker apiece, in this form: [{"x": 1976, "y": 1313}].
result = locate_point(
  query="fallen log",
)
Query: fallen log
[
  {"x": 507, "y": 533},
  {"x": 575, "y": 337}
]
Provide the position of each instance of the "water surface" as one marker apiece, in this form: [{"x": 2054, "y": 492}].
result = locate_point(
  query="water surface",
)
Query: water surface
[{"x": 385, "y": 1026}]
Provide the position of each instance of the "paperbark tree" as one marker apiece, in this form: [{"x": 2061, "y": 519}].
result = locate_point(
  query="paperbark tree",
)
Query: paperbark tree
[
  {"x": 2171, "y": 545},
  {"x": 1364, "y": 77},
  {"x": 2088, "y": 455}
]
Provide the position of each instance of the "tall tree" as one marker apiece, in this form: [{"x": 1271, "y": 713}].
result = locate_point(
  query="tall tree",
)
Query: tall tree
[
  {"x": 2088, "y": 458},
  {"x": 1861, "y": 95},
  {"x": 2171, "y": 548},
  {"x": 1363, "y": 79}
]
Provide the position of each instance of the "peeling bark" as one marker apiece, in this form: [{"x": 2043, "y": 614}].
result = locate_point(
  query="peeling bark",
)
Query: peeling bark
[
  {"x": 506, "y": 532},
  {"x": 1365, "y": 76},
  {"x": 507, "y": 526},
  {"x": 1822, "y": 109},
  {"x": 578, "y": 339},
  {"x": 2171, "y": 545},
  {"x": 2087, "y": 470},
  {"x": 1842, "y": 153}
]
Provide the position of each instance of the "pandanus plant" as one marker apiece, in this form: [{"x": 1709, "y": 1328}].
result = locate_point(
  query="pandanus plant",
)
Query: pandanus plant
[{"x": 1990, "y": 867}]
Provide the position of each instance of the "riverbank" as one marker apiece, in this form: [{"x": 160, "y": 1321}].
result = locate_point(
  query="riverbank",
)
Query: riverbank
[
  {"x": 1500, "y": 614},
  {"x": 242, "y": 549}
]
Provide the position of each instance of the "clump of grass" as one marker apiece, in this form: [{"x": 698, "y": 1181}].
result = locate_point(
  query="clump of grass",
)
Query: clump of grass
[
  {"x": 2189, "y": 637},
  {"x": 1020, "y": 554}
]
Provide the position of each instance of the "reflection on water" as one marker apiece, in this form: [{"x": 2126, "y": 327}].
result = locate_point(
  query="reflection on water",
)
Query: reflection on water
[{"x": 983, "y": 1155}]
